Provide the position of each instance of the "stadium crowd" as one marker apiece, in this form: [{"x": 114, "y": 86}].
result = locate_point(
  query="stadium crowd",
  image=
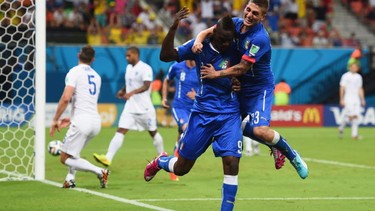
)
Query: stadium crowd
[{"x": 290, "y": 23}]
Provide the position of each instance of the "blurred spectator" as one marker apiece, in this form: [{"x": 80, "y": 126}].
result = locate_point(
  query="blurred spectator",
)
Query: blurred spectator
[
  {"x": 198, "y": 26},
  {"x": 335, "y": 39},
  {"x": 207, "y": 11},
  {"x": 352, "y": 41},
  {"x": 100, "y": 8},
  {"x": 282, "y": 92},
  {"x": 287, "y": 40},
  {"x": 187, "y": 3},
  {"x": 290, "y": 9},
  {"x": 320, "y": 15},
  {"x": 94, "y": 33},
  {"x": 74, "y": 19},
  {"x": 238, "y": 6},
  {"x": 153, "y": 38},
  {"x": 320, "y": 40}
]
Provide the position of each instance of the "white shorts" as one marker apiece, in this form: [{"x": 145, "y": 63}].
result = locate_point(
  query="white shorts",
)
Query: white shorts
[
  {"x": 352, "y": 109},
  {"x": 140, "y": 122},
  {"x": 80, "y": 132}
]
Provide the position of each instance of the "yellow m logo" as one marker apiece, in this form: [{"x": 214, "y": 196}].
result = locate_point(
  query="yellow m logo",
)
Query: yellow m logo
[{"x": 311, "y": 115}]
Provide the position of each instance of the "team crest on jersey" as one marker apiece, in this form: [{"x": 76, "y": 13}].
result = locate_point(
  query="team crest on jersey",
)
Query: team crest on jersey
[
  {"x": 254, "y": 49},
  {"x": 182, "y": 76},
  {"x": 246, "y": 44},
  {"x": 224, "y": 64}
]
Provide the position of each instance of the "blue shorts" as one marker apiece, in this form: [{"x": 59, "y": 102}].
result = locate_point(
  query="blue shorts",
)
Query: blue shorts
[
  {"x": 258, "y": 105},
  {"x": 181, "y": 115},
  {"x": 222, "y": 130}
]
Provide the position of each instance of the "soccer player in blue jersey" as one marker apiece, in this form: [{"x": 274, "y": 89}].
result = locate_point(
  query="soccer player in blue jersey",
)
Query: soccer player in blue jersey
[
  {"x": 257, "y": 80},
  {"x": 215, "y": 117},
  {"x": 187, "y": 83}
]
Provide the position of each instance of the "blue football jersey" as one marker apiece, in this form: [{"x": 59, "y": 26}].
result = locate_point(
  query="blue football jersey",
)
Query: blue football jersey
[
  {"x": 215, "y": 95},
  {"x": 255, "y": 47},
  {"x": 186, "y": 79}
]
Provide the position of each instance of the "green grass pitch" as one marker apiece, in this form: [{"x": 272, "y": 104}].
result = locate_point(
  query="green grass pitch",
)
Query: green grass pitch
[{"x": 342, "y": 177}]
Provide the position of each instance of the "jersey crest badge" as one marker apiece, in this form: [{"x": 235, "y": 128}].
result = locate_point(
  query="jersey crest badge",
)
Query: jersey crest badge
[{"x": 246, "y": 44}]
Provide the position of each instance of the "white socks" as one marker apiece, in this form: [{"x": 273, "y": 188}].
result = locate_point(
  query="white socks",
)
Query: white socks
[
  {"x": 71, "y": 174},
  {"x": 158, "y": 143},
  {"x": 355, "y": 123},
  {"x": 247, "y": 142},
  {"x": 115, "y": 145},
  {"x": 83, "y": 165}
]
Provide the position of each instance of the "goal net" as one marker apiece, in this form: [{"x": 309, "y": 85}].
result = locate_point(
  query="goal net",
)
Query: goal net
[{"x": 18, "y": 85}]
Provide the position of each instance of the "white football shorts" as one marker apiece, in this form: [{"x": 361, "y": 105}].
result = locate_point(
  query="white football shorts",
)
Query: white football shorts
[
  {"x": 352, "y": 109},
  {"x": 80, "y": 132},
  {"x": 140, "y": 122}
]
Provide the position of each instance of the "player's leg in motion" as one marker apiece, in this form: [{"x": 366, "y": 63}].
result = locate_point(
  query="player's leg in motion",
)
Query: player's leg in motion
[
  {"x": 279, "y": 158},
  {"x": 114, "y": 146},
  {"x": 248, "y": 146},
  {"x": 70, "y": 178},
  {"x": 342, "y": 125},
  {"x": 157, "y": 141},
  {"x": 230, "y": 183},
  {"x": 273, "y": 138},
  {"x": 355, "y": 124},
  {"x": 81, "y": 164}
]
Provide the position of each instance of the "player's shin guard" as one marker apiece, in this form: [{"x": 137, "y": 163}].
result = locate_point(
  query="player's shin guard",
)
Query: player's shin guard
[
  {"x": 229, "y": 192},
  {"x": 282, "y": 145}
]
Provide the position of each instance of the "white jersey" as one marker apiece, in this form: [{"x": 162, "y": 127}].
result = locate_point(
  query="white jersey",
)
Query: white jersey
[
  {"x": 352, "y": 83},
  {"x": 87, "y": 85},
  {"x": 134, "y": 79}
]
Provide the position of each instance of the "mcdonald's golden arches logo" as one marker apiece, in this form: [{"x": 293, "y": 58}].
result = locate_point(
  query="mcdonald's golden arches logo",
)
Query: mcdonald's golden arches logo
[{"x": 311, "y": 115}]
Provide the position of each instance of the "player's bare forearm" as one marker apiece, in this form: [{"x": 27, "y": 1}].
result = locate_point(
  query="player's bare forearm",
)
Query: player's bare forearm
[
  {"x": 234, "y": 71},
  {"x": 167, "y": 52}
]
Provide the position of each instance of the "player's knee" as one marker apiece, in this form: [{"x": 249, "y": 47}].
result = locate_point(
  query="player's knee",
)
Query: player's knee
[
  {"x": 230, "y": 165},
  {"x": 261, "y": 132}
]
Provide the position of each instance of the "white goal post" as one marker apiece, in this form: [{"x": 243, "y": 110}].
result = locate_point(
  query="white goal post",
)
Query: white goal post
[{"x": 22, "y": 89}]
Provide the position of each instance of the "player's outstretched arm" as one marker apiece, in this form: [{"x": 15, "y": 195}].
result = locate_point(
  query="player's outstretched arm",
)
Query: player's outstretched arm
[
  {"x": 167, "y": 52},
  {"x": 208, "y": 72}
]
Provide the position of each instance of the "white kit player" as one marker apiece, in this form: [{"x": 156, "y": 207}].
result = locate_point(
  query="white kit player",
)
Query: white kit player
[
  {"x": 139, "y": 112},
  {"x": 82, "y": 85},
  {"x": 352, "y": 97}
]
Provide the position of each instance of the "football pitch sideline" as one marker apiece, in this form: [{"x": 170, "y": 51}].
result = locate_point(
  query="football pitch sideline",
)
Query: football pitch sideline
[{"x": 342, "y": 177}]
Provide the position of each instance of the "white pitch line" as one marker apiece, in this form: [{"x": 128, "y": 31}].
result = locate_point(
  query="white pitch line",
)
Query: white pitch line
[
  {"x": 115, "y": 198},
  {"x": 339, "y": 163},
  {"x": 335, "y": 163},
  {"x": 264, "y": 199}
]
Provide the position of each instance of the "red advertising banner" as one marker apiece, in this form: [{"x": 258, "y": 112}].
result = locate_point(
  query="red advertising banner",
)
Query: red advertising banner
[{"x": 297, "y": 116}]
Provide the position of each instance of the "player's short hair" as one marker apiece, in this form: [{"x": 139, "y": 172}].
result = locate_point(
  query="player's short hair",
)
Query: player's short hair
[
  {"x": 263, "y": 4},
  {"x": 133, "y": 49},
  {"x": 87, "y": 54},
  {"x": 226, "y": 23}
]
